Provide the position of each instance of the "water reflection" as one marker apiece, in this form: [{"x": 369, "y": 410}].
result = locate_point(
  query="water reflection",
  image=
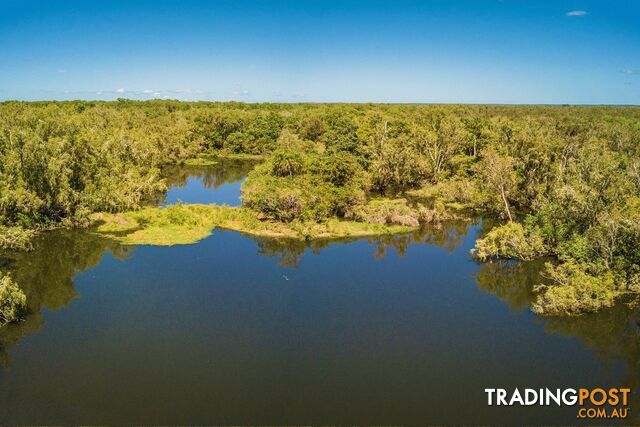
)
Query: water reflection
[
  {"x": 446, "y": 235},
  {"x": 613, "y": 334},
  {"x": 289, "y": 252},
  {"x": 46, "y": 275},
  {"x": 511, "y": 281},
  {"x": 196, "y": 184}
]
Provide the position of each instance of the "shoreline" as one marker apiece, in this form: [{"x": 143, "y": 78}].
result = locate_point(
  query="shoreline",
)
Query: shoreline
[{"x": 190, "y": 223}]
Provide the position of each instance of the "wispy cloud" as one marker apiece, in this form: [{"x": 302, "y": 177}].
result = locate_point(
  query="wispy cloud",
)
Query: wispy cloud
[
  {"x": 630, "y": 72},
  {"x": 184, "y": 94},
  {"x": 61, "y": 71},
  {"x": 576, "y": 13}
]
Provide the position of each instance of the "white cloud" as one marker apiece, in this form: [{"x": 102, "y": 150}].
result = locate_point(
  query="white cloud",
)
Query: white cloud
[
  {"x": 576, "y": 13},
  {"x": 629, "y": 71},
  {"x": 155, "y": 93},
  {"x": 61, "y": 71}
]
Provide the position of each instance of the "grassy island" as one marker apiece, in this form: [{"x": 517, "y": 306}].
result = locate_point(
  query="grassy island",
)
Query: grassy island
[{"x": 185, "y": 224}]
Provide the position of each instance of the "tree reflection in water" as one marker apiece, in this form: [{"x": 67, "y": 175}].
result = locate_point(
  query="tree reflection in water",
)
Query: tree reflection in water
[
  {"x": 46, "y": 275},
  {"x": 211, "y": 176},
  {"x": 511, "y": 281},
  {"x": 613, "y": 334},
  {"x": 289, "y": 252}
]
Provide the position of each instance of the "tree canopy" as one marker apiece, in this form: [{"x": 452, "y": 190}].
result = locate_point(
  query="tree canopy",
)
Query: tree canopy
[{"x": 564, "y": 180}]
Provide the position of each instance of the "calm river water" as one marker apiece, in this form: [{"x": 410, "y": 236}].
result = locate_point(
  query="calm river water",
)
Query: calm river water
[{"x": 239, "y": 330}]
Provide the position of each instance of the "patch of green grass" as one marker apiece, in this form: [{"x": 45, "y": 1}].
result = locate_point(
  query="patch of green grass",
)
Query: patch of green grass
[{"x": 185, "y": 224}]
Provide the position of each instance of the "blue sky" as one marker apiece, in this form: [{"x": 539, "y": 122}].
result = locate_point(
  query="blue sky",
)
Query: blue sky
[{"x": 477, "y": 51}]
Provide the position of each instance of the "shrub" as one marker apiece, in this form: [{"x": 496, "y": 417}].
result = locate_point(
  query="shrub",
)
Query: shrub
[
  {"x": 281, "y": 190},
  {"x": 236, "y": 142},
  {"x": 281, "y": 204},
  {"x": 12, "y": 300},
  {"x": 387, "y": 211},
  {"x": 338, "y": 169},
  {"x": 287, "y": 163},
  {"x": 510, "y": 240}
]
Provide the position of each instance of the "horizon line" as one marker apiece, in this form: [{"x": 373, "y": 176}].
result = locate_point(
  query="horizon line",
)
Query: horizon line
[{"x": 550, "y": 104}]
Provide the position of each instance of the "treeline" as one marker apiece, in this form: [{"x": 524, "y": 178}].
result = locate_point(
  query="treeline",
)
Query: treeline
[{"x": 564, "y": 180}]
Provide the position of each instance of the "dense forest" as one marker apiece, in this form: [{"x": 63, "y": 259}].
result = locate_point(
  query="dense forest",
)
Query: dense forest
[{"x": 561, "y": 182}]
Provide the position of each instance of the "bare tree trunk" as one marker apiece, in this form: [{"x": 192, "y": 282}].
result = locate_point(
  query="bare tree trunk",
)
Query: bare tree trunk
[{"x": 506, "y": 204}]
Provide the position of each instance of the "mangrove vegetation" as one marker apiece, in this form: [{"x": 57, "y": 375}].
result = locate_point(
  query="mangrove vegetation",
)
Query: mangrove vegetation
[{"x": 560, "y": 182}]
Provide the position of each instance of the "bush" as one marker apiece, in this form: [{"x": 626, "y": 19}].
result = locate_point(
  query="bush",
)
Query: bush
[
  {"x": 287, "y": 163},
  {"x": 287, "y": 199},
  {"x": 13, "y": 301},
  {"x": 281, "y": 190},
  {"x": 338, "y": 168},
  {"x": 282, "y": 204},
  {"x": 511, "y": 240},
  {"x": 387, "y": 211}
]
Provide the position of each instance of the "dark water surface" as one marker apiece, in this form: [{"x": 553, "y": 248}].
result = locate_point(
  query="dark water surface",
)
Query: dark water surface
[{"x": 239, "y": 330}]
